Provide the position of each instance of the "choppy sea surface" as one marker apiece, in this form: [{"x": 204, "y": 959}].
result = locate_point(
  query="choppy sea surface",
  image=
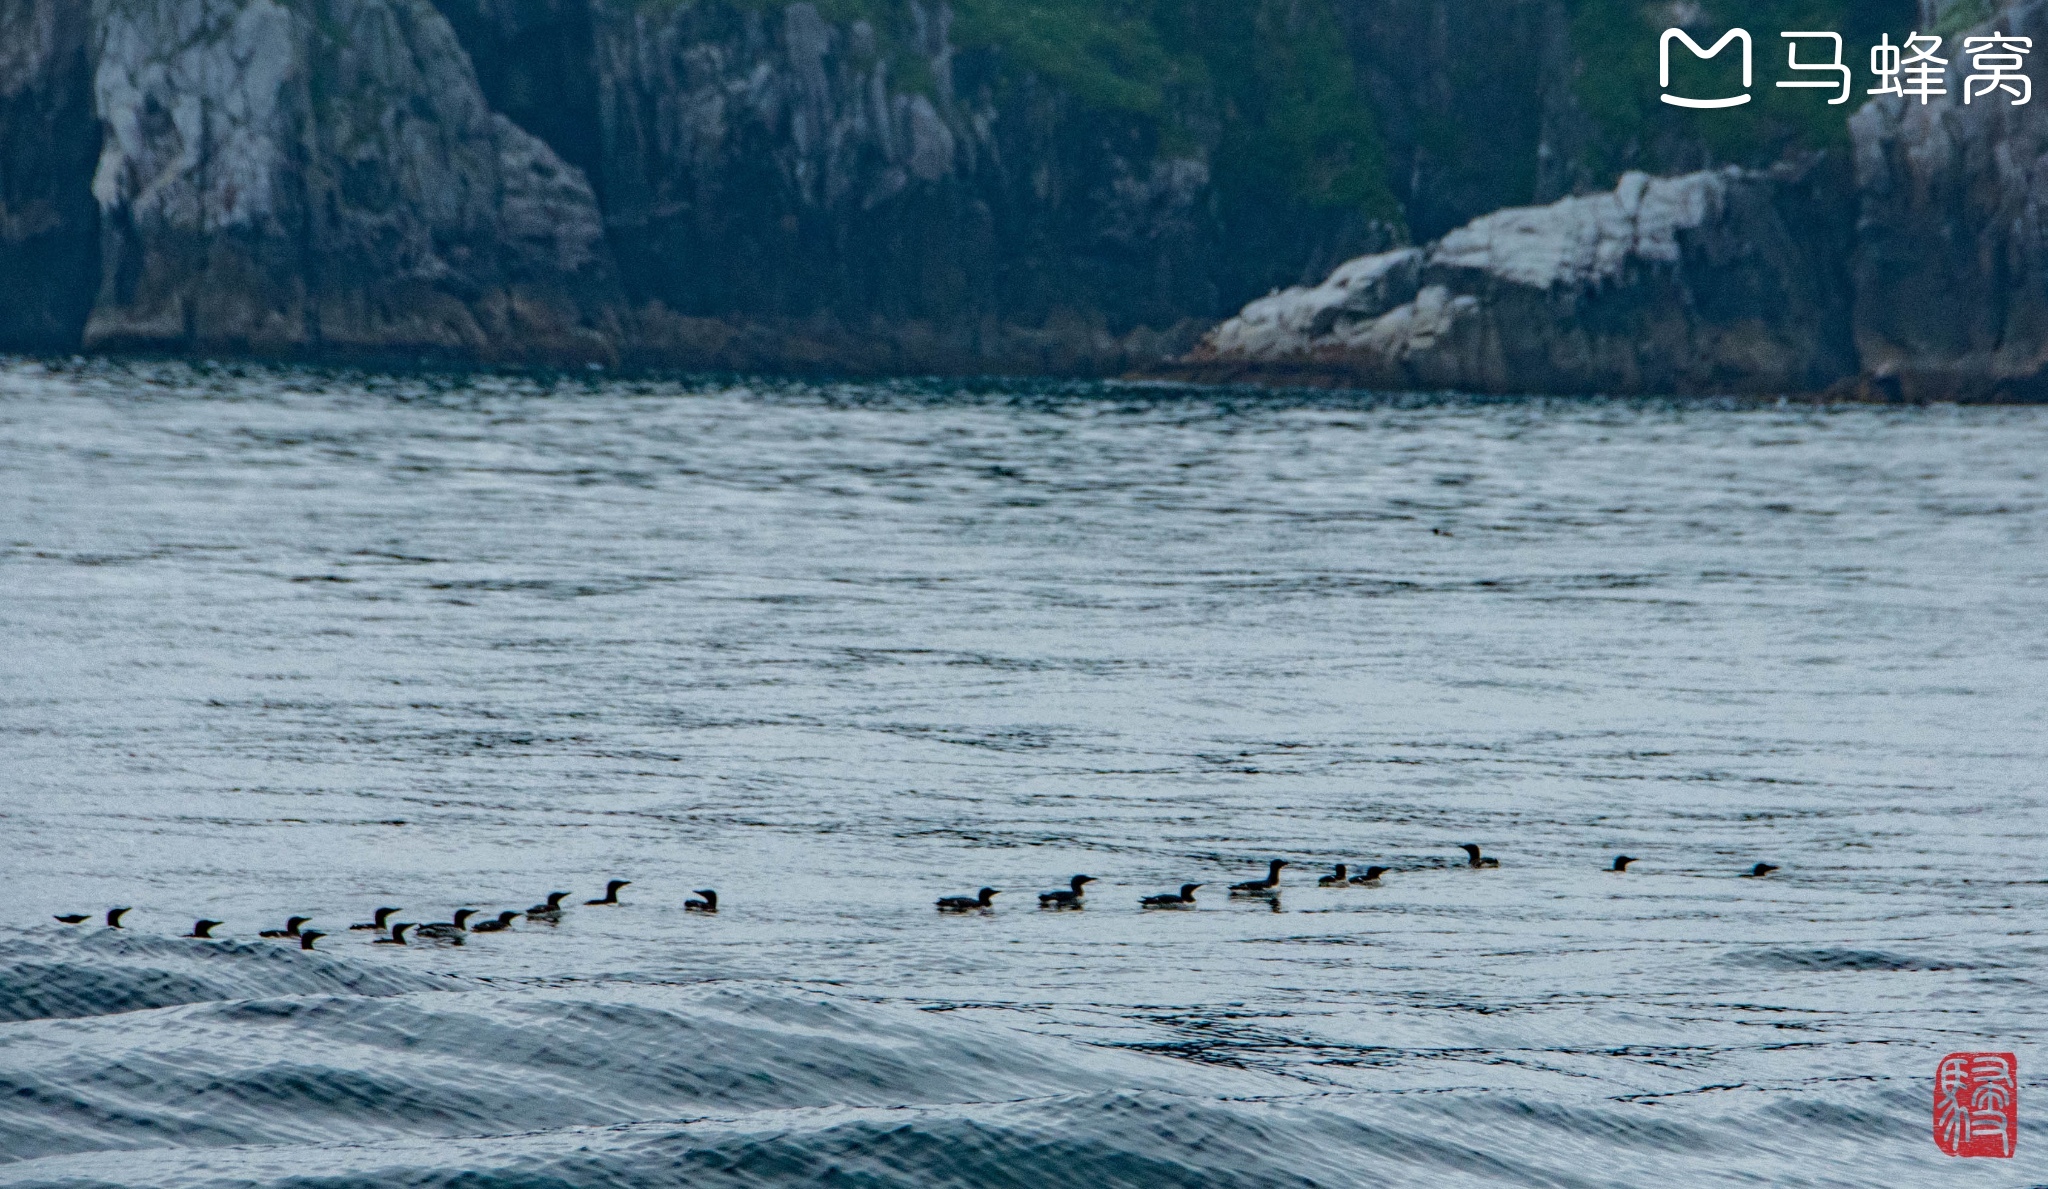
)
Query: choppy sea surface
[{"x": 288, "y": 642}]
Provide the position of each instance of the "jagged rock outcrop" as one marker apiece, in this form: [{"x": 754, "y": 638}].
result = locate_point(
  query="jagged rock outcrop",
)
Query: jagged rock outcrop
[
  {"x": 287, "y": 177},
  {"x": 1717, "y": 281},
  {"x": 49, "y": 140},
  {"x": 1951, "y": 261}
]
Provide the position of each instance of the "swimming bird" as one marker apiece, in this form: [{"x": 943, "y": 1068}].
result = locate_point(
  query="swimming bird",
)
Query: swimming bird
[
  {"x": 1069, "y": 897},
  {"x": 1186, "y": 898},
  {"x": 291, "y": 928},
  {"x": 376, "y": 924},
  {"x": 1621, "y": 862},
  {"x": 203, "y": 930},
  {"x": 1759, "y": 871},
  {"x": 397, "y": 934},
  {"x": 503, "y": 922},
  {"x": 1336, "y": 878},
  {"x": 310, "y": 936},
  {"x": 551, "y": 911},
  {"x": 76, "y": 918},
  {"x": 1261, "y": 887},
  {"x": 1477, "y": 859},
  {"x": 448, "y": 930},
  {"x": 611, "y": 892},
  {"x": 708, "y": 904},
  {"x": 114, "y": 916},
  {"x": 1371, "y": 876},
  {"x": 980, "y": 900}
]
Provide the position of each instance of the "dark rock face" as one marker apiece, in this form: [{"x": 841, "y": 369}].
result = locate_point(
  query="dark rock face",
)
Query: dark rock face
[
  {"x": 774, "y": 171},
  {"x": 786, "y": 191},
  {"x": 1721, "y": 281},
  {"x": 1464, "y": 91},
  {"x": 324, "y": 177},
  {"x": 1951, "y": 259},
  {"x": 49, "y": 141}
]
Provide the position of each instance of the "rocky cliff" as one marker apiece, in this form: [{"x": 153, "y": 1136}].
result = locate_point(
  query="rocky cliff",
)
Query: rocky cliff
[
  {"x": 1951, "y": 261},
  {"x": 1064, "y": 186},
  {"x": 325, "y": 177}
]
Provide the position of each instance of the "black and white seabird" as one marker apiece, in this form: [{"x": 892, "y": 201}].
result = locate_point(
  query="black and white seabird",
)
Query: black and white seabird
[
  {"x": 1759, "y": 871},
  {"x": 1338, "y": 877},
  {"x": 551, "y": 911},
  {"x": 397, "y": 934},
  {"x": 1185, "y": 899},
  {"x": 291, "y": 928},
  {"x": 1261, "y": 887},
  {"x": 1621, "y": 862},
  {"x": 310, "y": 936},
  {"x": 611, "y": 893},
  {"x": 1071, "y": 896},
  {"x": 1371, "y": 876},
  {"x": 1477, "y": 859},
  {"x": 709, "y": 903},
  {"x": 503, "y": 923},
  {"x": 448, "y": 930},
  {"x": 980, "y": 900},
  {"x": 377, "y": 924},
  {"x": 74, "y": 918},
  {"x": 114, "y": 916},
  {"x": 203, "y": 930}
]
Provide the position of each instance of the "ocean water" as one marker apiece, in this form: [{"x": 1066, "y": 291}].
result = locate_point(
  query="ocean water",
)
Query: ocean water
[{"x": 295, "y": 642}]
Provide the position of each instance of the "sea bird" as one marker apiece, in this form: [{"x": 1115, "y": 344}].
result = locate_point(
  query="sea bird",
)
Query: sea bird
[
  {"x": 397, "y": 934},
  {"x": 1261, "y": 887},
  {"x": 1759, "y": 871},
  {"x": 448, "y": 930},
  {"x": 503, "y": 922},
  {"x": 203, "y": 930},
  {"x": 1621, "y": 862},
  {"x": 1337, "y": 878},
  {"x": 611, "y": 893},
  {"x": 709, "y": 903},
  {"x": 551, "y": 911},
  {"x": 75, "y": 918},
  {"x": 1477, "y": 859},
  {"x": 114, "y": 916},
  {"x": 1371, "y": 877},
  {"x": 1186, "y": 898},
  {"x": 983, "y": 899},
  {"x": 1068, "y": 897},
  {"x": 291, "y": 928},
  {"x": 376, "y": 924},
  {"x": 310, "y": 936}
]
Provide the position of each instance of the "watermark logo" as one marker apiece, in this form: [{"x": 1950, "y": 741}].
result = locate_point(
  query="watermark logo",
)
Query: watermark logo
[
  {"x": 1977, "y": 1104},
  {"x": 1913, "y": 70},
  {"x": 1700, "y": 51}
]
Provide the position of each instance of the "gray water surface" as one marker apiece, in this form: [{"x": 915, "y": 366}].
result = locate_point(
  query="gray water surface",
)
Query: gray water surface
[{"x": 294, "y": 642}]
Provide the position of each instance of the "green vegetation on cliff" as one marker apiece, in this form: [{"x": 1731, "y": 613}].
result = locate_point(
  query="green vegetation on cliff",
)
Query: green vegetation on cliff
[
  {"x": 1615, "y": 43},
  {"x": 1265, "y": 87}
]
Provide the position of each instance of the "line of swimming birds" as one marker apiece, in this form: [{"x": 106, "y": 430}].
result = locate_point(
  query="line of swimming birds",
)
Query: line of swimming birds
[
  {"x": 448, "y": 932},
  {"x": 1074, "y": 895}
]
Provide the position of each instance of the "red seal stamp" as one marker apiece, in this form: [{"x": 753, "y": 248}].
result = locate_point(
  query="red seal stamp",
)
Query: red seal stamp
[{"x": 1977, "y": 1104}]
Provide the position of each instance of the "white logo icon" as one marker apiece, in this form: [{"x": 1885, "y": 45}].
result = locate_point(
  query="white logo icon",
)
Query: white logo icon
[{"x": 1748, "y": 66}]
